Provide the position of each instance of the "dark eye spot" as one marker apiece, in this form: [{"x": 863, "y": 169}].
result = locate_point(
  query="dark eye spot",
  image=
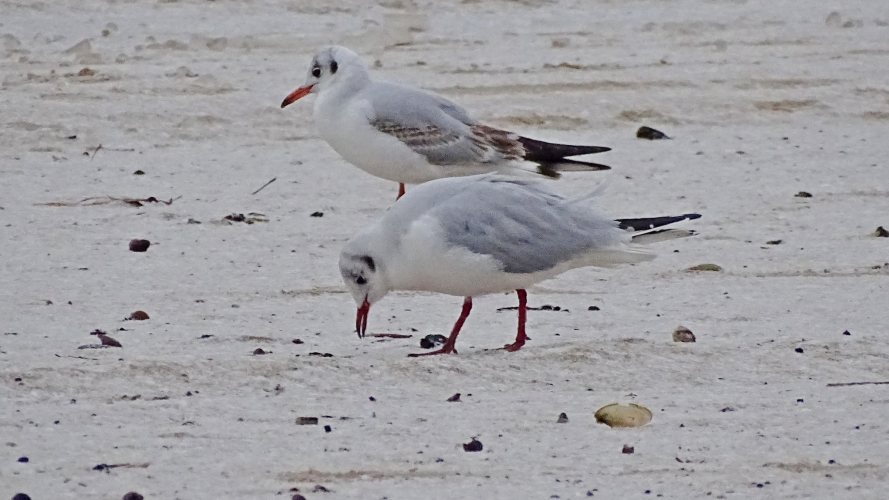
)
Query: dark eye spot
[
  {"x": 333, "y": 67},
  {"x": 361, "y": 280},
  {"x": 316, "y": 71}
]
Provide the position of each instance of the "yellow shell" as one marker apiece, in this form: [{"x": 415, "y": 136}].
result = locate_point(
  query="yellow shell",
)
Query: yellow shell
[{"x": 623, "y": 415}]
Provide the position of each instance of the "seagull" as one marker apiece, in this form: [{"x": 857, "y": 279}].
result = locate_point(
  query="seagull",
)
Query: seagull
[
  {"x": 488, "y": 233},
  {"x": 411, "y": 136}
]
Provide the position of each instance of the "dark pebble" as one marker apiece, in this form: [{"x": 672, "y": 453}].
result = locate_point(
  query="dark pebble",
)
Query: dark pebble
[
  {"x": 650, "y": 134},
  {"x": 23, "y": 460},
  {"x": 139, "y": 316},
  {"x": 132, "y": 496},
  {"x": 881, "y": 233},
  {"x": 21, "y": 496},
  {"x": 306, "y": 420},
  {"x": 563, "y": 418},
  {"x": 317, "y": 214},
  {"x": 139, "y": 245},
  {"x": 327, "y": 428},
  {"x": 110, "y": 342},
  {"x": 799, "y": 350},
  {"x": 803, "y": 194},
  {"x": 138, "y": 172},
  {"x": 846, "y": 332},
  {"x": 259, "y": 352},
  {"x": 474, "y": 445},
  {"x": 297, "y": 341},
  {"x": 628, "y": 449},
  {"x": 593, "y": 308},
  {"x": 455, "y": 398},
  {"x": 298, "y": 497}
]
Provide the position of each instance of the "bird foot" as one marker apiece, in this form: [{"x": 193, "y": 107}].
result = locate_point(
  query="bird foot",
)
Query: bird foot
[
  {"x": 443, "y": 350},
  {"x": 514, "y": 346}
]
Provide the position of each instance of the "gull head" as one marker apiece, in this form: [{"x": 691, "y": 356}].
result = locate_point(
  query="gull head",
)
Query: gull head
[
  {"x": 330, "y": 67},
  {"x": 365, "y": 281}
]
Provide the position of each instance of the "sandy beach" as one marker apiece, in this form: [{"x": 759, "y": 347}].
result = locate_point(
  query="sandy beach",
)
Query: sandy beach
[{"x": 138, "y": 119}]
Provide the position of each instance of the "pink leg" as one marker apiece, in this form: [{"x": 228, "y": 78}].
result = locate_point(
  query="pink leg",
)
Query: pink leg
[
  {"x": 520, "y": 337},
  {"x": 400, "y": 191},
  {"x": 448, "y": 348}
]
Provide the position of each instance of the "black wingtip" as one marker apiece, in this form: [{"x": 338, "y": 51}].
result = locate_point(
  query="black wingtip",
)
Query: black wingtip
[
  {"x": 550, "y": 152},
  {"x": 646, "y": 223}
]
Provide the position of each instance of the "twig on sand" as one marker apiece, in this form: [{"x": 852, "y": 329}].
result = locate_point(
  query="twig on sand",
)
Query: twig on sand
[
  {"x": 843, "y": 384},
  {"x": 104, "y": 200},
  {"x": 264, "y": 185},
  {"x": 95, "y": 151}
]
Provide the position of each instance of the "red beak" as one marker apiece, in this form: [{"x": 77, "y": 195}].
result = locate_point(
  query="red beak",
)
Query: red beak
[
  {"x": 361, "y": 318},
  {"x": 296, "y": 95}
]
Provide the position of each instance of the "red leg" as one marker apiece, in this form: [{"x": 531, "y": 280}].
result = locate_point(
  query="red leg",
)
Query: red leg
[
  {"x": 400, "y": 191},
  {"x": 448, "y": 348},
  {"x": 520, "y": 337}
]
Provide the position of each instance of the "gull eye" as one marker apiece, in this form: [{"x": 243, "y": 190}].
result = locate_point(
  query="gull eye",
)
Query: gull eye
[
  {"x": 316, "y": 71},
  {"x": 333, "y": 67},
  {"x": 361, "y": 280}
]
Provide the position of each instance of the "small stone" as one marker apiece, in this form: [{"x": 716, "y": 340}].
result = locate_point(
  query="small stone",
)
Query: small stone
[
  {"x": 110, "y": 342},
  {"x": 259, "y": 352},
  {"x": 139, "y": 172},
  {"x": 650, "y": 134},
  {"x": 774, "y": 242},
  {"x": 298, "y": 497},
  {"x": 139, "y": 245},
  {"x": 317, "y": 214},
  {"x": 86, "y": 72},
  {"x": 455, "y": 398},
  {"x": 138, "y": 316},
  {"x": 21, "y": 496},
  {"x": 704, "y": 267},
  {"x": 297, "y": 341},
  {"x": 846, "y": 332},
  {"x": 623, "y": 415},
  {"x": 24, "y": 460},
  {"x": 683, "y": 334},
  {"x": 593, "y": 308},
  {"x": 474, "y": 445},
  {"x": 803, "y": 194},
  {"x": 327, "y": 428},
  {"x": 799, "y": 350},
  {"x": 132, "y": 496},
  {"x": 881, "y": 233},
  {"x": 628, "y": 449},
  {"x": 306, "y": 420},
  {"x": 563, "y": 418}
]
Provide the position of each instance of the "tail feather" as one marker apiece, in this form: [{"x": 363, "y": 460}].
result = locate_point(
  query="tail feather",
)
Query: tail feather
[
  {"x": 548, "y": 152},
  {"x": 647, "y": 223}
]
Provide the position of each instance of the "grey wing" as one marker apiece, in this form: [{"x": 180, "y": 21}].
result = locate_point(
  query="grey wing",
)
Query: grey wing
[
  {"x": 437, "y": 128},
  {"x": 526, "y": 228}
]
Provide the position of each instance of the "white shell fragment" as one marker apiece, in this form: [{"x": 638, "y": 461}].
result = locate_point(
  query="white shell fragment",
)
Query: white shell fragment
[{"x": 623, "y": 415}]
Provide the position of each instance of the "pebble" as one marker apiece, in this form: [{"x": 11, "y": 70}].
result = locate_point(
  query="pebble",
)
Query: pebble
[
  {"x": 650, "y": 134},
  {"x": 110, "y": 342},
  {"x": 683, "y": 334},
  {"x": 474, "y": 445},
  {"x": 138, "y": 245},
  {"x": 21, "y": 496},
  {"x": 132, "y": 496},
  {"x": 628, "y": 449},
  {"x": 563, "y": 418},
  {"x": 623, "y": 415},
  {"x": 881, "y": 233},
  {"x": 298, "y": 497},
  {"x": 139, "y": 316},
  {"x": 23, "y": 460},
  {"x": 306, "y": 420},
  {"x": 455, "y": 398},
  {"x": 803, "y": 194}
]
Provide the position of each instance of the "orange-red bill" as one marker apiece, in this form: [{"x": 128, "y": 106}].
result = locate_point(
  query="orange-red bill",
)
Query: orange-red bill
[
  {"x": 361, "y": 318},
  {"x": 296, "y": 95}
]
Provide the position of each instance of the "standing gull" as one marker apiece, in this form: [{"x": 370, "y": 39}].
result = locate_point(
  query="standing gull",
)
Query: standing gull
[
  {"x": 411, "y": 136},
  {"x": 488, "y": 233}
]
